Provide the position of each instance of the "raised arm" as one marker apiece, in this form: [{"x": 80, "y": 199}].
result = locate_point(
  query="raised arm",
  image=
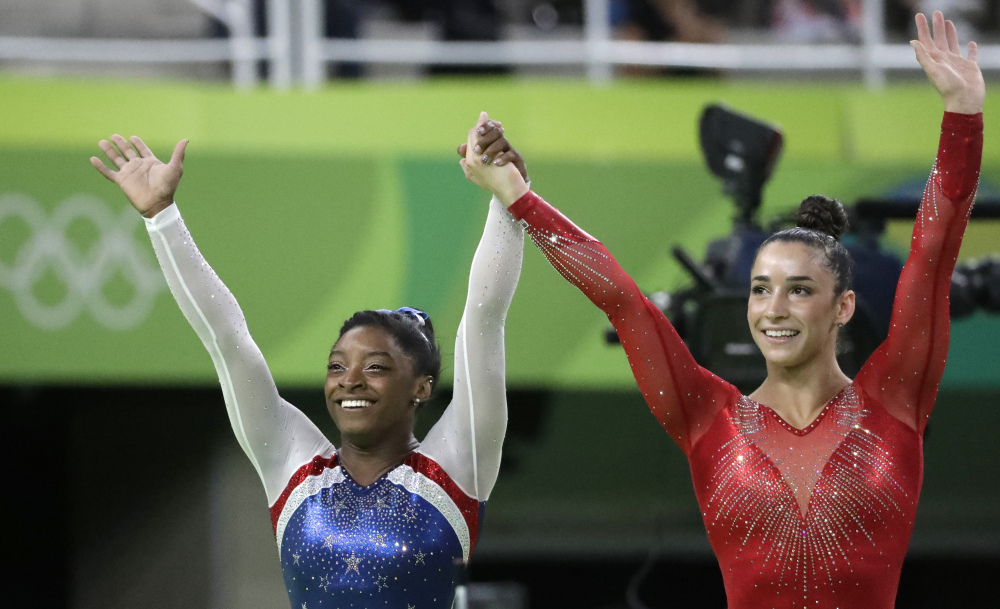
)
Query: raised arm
[
  {"x": 682, "y": 395},
  {"x": 906, "y": 369},
  {"x": 276, "y": 437},
  {"x": 468, "y": 438}
]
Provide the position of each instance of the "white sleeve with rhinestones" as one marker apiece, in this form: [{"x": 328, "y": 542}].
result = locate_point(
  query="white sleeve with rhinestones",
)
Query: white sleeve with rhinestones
[
  {"x": 275, "y": 435},
  {"x": 466, "y": 442}
]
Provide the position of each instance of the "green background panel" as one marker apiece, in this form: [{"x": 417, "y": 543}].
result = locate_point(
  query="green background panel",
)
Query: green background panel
[{"x": 311, "y": 206}]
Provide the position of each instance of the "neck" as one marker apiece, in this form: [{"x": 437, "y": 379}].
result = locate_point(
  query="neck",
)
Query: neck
[
  {"x": 368, "y": 461},
  {"x": 799, "y": 393}
]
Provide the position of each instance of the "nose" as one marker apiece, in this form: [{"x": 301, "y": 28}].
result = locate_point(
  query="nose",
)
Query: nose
[
  {"x": 777, "y": 305},
  {"x": 351, "y": 379}
]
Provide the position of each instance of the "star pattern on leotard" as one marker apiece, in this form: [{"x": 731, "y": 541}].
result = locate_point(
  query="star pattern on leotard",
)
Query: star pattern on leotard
[
  {"x": 382, "y": 582},
  {"x": 329, "y": 541},
  {"x": 295, "y": 558},
  {"x": 380, "y": 538},
  {"x": 352, "y": 563},
  {"x": 418, "y": 558},
  {"x": 324, "y": 582}
]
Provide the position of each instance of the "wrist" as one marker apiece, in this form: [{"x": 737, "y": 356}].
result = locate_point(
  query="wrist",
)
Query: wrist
[
  {"x": 509, "y": 195},
  {"x": 156, "y": 208}
]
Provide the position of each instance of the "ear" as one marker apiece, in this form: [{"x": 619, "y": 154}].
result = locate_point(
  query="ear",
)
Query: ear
[
  {"x": 845, "y": 307},
  {"x": 422, "y": 390}
]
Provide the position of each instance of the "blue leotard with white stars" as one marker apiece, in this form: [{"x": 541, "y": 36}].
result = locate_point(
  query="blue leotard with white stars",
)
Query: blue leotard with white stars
[{"x": 394, "y": 543}]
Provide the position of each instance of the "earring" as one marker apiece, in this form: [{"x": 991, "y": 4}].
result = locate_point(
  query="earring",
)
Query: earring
[
  {"x": 416, "y": 401},
  {"x": 840, "y": 325}
]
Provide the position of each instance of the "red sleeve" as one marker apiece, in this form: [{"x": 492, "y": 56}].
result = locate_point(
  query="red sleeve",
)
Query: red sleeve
[
  {"x": 905, "y": 371},
  {"x": 683, "y": 396}
]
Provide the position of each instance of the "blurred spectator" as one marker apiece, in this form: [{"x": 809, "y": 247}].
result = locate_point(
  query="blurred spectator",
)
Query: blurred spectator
[
  {"x": 820, "y": 21},
  {"x": 967, "y": 15},
  {"x": 665, "y": 20}
]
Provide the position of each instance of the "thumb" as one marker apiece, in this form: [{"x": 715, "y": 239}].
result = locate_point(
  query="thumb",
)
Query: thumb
[
  {"x": 177, "y": 158},
  {"x": 483, "y": 117},
  {"x": 920, "y": 52}
]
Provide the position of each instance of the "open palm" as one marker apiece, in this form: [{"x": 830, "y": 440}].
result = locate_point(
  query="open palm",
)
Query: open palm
[
  {"x": 957, "y": 79},
  {"x": 148, "y": 182}
]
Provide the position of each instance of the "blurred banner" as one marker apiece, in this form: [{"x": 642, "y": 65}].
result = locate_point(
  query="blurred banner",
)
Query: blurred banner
[{"x": 313, "y": 206}]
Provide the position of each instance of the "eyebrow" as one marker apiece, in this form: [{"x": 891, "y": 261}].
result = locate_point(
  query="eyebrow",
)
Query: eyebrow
[
  {"x": 369, "y": 354},
  {"x": 793, "y": 278}
]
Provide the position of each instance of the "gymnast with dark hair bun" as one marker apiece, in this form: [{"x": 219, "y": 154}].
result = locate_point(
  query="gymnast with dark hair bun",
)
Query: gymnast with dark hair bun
[
  {"x": 808, "y": 486},
  {"x": 381, "y": 520}
]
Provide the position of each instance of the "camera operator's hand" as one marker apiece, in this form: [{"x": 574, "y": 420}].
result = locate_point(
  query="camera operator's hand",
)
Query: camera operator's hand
[
  {"x": 506, "y": 175},
  {"x": 957, "y": 79}
]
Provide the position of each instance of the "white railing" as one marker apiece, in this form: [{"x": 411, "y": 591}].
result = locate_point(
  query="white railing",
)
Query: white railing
[
  {"x": 295, "y": 40},
  {"x": 242, "y": 49}
]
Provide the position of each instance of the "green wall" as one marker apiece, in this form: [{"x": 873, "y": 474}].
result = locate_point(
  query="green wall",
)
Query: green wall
[{"x": 311, "y": 206}]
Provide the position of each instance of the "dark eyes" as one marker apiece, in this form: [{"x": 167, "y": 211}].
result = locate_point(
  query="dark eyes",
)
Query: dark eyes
[
  {"x": 798, "y": 290},
  {"x": 338, "y": 367}
]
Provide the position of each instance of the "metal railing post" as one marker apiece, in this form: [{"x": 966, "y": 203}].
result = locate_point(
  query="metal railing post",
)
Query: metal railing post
[
  {"x": 241, "y": 39},
  {"x": 597, "y": 26},
  {"x": 279, "y": 41},
  {"x": 872, "y": 39},
  {"x": 312, "y": 13}
]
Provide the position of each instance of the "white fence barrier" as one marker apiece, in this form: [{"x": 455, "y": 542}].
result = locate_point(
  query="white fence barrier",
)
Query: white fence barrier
[{"x": 305, "y": 61}]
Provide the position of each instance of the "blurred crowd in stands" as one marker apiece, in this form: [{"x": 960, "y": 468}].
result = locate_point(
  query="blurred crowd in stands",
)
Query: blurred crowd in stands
[{"x": 668, "y": 20}]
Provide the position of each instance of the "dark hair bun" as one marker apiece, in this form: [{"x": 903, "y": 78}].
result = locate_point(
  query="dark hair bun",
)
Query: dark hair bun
[{"x": 823, "y": 215}]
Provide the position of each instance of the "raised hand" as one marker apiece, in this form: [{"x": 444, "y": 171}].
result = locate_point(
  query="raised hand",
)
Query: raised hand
[
  {"x": 148, "y": 182},
  {"x": 504, "y": 180},
  {"x": 957, "y": 79},
  {"x": 495, "y": 148}
]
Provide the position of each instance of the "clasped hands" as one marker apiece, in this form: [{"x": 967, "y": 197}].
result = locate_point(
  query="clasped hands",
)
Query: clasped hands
[{"x": 490, "y": 162}]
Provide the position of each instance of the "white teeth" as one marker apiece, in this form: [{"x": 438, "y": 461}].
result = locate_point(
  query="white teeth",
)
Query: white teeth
[
  {"x": 355, "y": 404},
  {"x": 780, "y": 333}
]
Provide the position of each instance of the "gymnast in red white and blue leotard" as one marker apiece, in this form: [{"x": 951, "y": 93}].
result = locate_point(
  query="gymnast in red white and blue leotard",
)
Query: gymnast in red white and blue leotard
[
  {"x": 382, "y": 521},
  {"x": 808, "y": 487}
]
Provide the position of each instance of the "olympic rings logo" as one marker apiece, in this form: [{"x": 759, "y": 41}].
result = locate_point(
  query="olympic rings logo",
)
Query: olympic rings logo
[{"x": 84, "y": 273}]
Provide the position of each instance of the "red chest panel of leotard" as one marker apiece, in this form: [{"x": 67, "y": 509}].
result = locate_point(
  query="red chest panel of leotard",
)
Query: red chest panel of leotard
[{"x": 819, "y": 517}]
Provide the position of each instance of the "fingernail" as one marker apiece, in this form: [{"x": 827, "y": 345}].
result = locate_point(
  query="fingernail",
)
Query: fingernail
[
  {"x": 479, "y": 130},
  {"x": 486, "y": 158},
  {"x": 497, "y": 162},
  {"x": 477, "y": 150}
]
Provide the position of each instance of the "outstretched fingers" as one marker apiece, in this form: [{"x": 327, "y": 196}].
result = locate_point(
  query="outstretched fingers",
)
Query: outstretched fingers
[
  {"x": 923, "y": 31},
  {"x": 126, "y": 149},
  {"x": 141, "y": 146},
  {"x": 177, "y": 158},
  {"x": 112, "y": 153},
  {"x": 99, "y": 166},
  {"x": 952, "y": 35},
  {"x": 973, "y": 52}
]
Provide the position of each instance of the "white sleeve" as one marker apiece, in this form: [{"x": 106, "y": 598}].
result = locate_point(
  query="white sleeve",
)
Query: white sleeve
[
  {"x": 276, "y": 436},
  {"x": 467, "y": 440}
]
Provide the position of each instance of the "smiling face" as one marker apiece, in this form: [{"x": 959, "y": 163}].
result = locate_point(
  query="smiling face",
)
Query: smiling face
[
  {"x": 793, "y": 310},
  {"x": 371, "y": 387}
]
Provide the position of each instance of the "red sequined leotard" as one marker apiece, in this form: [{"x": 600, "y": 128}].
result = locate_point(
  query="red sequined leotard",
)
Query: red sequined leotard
[{"x": 819, "y": 517}]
